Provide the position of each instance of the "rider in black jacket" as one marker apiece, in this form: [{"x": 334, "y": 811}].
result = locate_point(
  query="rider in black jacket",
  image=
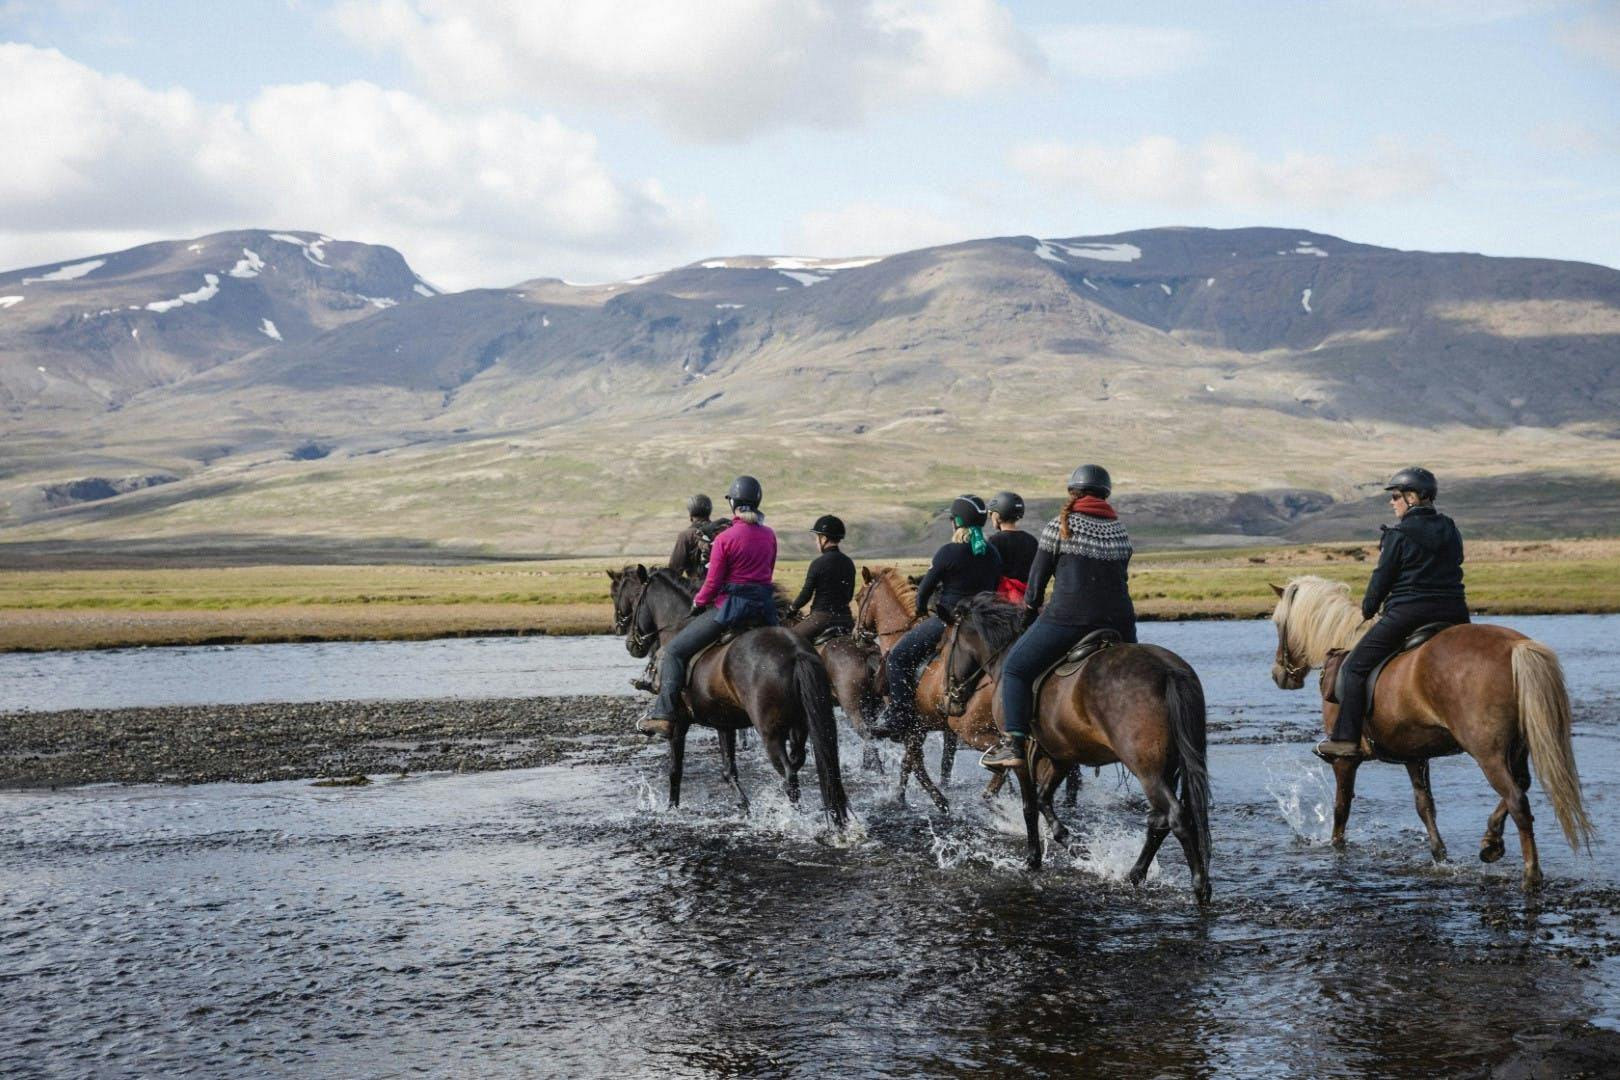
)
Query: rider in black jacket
[
  {"x": 965, "y": 567},
  {"x": 1418, "y": 580},
  {"x": 1016, "y": 547},
  {"x": 829, "y": 585}
]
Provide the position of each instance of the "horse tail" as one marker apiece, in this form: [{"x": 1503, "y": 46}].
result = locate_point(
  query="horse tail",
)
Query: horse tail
[
  {"x": 1544, "y": 721},
  {"x": 815, "y": 697},
  {"x": 1184, "y": 702}
]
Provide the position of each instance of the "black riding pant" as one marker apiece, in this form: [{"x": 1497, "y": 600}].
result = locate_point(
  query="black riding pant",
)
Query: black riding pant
[
  {"x": 701, "y": 631},
  {"x": 1381, "y": 640},
  {"x": 906, "y": 661},
  {"x": 814, "y": 624}
]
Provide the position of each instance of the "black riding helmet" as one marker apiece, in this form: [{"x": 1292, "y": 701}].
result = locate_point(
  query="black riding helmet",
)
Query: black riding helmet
[
  {"x": 1009, "y": 504},
  {"x": 1416, "y": 479},
  {"x": 830, "y": 527},
  {"x": 699, "y": 506},
  {"x": 968, "y": 511},
  {"x": 745, "y": 493},
  {"x": 1092, "y": 478}
]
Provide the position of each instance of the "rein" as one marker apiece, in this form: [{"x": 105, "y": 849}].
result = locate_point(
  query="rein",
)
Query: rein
[
  {"x": 957, "y": 693},
  {"x": 1285, "y": 659},
  {"x": 864, "y": 636},
  {"x": 636, "y": 640}
]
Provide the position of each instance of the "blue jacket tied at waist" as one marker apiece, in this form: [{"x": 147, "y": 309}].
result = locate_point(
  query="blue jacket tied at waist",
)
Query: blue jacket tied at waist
[{"x": 747, "y": 605}]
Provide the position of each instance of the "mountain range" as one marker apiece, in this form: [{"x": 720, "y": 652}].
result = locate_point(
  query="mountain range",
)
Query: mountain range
[{"x": 287, "y": 387}]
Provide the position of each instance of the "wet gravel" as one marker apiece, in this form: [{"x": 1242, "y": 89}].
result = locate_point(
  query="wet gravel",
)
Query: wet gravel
[{"x": 327, "y": 739}]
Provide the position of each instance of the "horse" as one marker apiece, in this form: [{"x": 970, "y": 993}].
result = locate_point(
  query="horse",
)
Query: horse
[
  {"x": 1488, "y": 691},
  {"x": 626, "y": 587},
  {"x": 766, "y": 678},
  {"x": 852, "y": 668},
  {"x": 1139, "y": 705}
]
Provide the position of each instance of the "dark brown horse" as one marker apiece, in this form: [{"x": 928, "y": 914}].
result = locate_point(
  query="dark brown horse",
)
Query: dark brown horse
[
  {"x": 626, "y": 588},
  {"x": 1485, "y": 690},
  {"x": 766, "y": 678},
  {"x": 1140, "y": 705}
]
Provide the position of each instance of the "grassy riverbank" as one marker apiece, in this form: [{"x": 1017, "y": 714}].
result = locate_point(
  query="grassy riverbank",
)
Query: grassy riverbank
[{"x": 86, "y": 609}]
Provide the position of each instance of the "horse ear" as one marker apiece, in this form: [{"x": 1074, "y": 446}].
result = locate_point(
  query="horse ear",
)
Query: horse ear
[
  {"x": 1278, "y": 589},
  {"x": 866, "y": 574},
  {"x": 641, "y": 573},
  {"x": 615, "y": 575}
]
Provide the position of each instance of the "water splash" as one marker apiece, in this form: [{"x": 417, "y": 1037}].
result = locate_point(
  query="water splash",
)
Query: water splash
[
  {"x": 1110, "y": 852},
  {"x": 1304, "y": 796}
]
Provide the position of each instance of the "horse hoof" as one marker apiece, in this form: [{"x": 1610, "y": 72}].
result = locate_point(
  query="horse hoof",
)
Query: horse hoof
[
  {"x": 1202, "y": 894},
  {"x": 1490, "y": 852},
  {"x": 1136, "y": 877},
  {"x": 1338, "y": 843},
  {"x": 1439, "y": 854},
  {"x": 1532, "y": 881}
]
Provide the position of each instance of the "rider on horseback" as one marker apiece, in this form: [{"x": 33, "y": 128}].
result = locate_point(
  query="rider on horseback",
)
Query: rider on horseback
[
  {"x": 740, "y": 567},
  {"x": 830, "y": 580},
  {"x": 690, "y": 558},
  {"x": 1084, "y": 552},
  {"x": 1016, "y": 547},
  {"x": 1418, "y": 580},
  {"x": 966, "y": 566}
]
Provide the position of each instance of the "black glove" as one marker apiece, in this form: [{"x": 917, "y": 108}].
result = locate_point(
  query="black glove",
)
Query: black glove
[
  {"x": 1028, "y": 618},
  {"x": 697, "y": 609}
]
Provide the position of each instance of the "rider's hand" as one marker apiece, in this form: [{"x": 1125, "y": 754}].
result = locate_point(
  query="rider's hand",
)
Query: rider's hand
[
  {"x": 1028, "y": 618},
  {"x": 697, "y": 609}
]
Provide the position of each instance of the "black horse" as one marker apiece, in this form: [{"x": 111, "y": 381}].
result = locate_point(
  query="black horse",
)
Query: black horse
[{"x": 766, "y": 678}]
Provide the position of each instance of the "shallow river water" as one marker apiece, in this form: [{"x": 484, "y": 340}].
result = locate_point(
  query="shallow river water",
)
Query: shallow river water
[{"x": 561, "y": 922}]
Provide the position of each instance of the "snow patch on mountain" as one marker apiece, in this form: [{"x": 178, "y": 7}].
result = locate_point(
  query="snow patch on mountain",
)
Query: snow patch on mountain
[
  {"x": 423, "y": 290},
  {"x": 1101, "y": 252},
  {"x": 1305, "y": 301},
  {"x": 209, "y": 290},
  {"x": 10, "y": 301},
  {"x": 268, "y": 329},
  {"x": 804, "y": 278},
  {"x": 1046, "y": 251},
  {"x": 68, "y": 273},
  {"x": 378, "y": 301},
  {"x": 248, "y": 266},
  {"x": 1305, "y": 247}
]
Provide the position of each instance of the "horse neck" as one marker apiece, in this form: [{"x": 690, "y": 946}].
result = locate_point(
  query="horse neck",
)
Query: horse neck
[
  {"x": 1326, "y": 621},
  {"x": 670, "y": 605},
  {"x": 899, "y": 617}
]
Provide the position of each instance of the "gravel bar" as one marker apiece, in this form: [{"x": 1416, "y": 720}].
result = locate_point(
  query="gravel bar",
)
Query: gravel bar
[{"x": 336, "y": 740}]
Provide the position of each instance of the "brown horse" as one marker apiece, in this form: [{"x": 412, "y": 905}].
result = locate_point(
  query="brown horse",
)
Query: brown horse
[
  {"x": 1485, "y": 690},
  {"x": 1140, "y": 705},
  {"x": 766, "y": 678},
  {"x": 852, "y": 668},
  {"x": 886, "y": 609}
]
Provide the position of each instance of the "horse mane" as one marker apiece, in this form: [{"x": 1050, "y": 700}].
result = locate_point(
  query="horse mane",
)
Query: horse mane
[
  {"x": 997, "y": 622},
  {"x": 1319, "y": 617},
  {"x": 899, "y": 586}
]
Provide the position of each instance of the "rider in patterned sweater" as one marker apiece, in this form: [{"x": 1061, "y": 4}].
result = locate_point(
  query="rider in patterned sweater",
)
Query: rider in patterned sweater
[
  {"x": 1085, "y": 554},
  {"x": 1418, "y": 580}
]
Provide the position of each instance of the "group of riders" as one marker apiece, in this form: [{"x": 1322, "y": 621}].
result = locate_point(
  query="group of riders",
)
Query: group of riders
[{"x": 1081, "y": 557}]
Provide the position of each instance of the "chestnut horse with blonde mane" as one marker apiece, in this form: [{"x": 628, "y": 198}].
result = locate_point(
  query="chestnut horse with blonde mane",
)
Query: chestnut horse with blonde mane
[{"x": 1488, "y": 691}]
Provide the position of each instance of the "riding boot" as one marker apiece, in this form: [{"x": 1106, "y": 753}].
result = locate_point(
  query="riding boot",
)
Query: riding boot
[
  {"x": 648, "y": 679},
  {"x": 892, "y": 723},
  {"x": 1008, "y": 753},
  {"x": 1328, "y": 749}
]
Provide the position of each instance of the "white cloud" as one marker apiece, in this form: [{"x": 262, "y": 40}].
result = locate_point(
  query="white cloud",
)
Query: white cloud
[
  {"x": 484, "y": 197},
  {"x": 1596, "y": 37},
  {"x": 719, "y": 70},
  {"x": 866, "y": 228},
  {"x": 1117, "y": 51},
  {"x": 1220, "y": 172}
]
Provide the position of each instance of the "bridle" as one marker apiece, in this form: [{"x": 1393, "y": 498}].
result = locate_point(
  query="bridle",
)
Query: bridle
[
  {"x": 636, "y": 640},
  {"x": 1285, "y": 659},
  {"x": 957, "y": 693},
  {"x": 861, "y": 634}
]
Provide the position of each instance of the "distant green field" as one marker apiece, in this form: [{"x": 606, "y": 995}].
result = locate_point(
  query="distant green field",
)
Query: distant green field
[{"x": 100, "y": 608}]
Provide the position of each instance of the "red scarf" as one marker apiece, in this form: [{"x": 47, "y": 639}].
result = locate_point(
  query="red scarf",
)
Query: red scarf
[{"x": 1091, "y": 506}]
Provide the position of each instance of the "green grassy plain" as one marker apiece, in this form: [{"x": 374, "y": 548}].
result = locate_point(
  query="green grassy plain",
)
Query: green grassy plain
[{"x": 80, "y": 609}]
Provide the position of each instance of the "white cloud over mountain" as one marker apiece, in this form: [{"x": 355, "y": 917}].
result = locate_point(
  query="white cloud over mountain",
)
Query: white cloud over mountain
[
  {"x": 1118, "y": 51},
  {"x": 474, "y": 198},
  {"x": 720, "y": 70},
  {"x": 1159, "y": 170}
]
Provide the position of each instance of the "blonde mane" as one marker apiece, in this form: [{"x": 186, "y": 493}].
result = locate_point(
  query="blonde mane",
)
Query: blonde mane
[
  {"x": 900, "y": 587},
  {"x": 1318, "y": 616}
]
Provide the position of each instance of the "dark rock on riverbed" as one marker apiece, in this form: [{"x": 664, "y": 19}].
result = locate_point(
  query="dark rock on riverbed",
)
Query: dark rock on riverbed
[{"x": 281, "y": 741}]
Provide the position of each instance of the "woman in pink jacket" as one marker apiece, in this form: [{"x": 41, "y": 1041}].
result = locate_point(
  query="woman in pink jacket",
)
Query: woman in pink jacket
[{"x": 741, "y": 565}]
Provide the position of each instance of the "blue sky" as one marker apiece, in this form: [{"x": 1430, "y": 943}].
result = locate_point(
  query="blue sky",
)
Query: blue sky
[{"x": 492, "y": 142}]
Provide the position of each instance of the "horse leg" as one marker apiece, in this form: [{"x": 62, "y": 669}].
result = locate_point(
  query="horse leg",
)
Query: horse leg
[
  {"x": 1071, "y": 788},
  {"x": 1032, "y": 817},
  {"x": 1344, "y": 776},
  {"x": 947, "y": 758},
  {"x": 1418, "y": 771},
  {"x": 1490, "y": 846},
  {"x": 776, "y": 751},
  {"x": 914, "y": 761},
  {"x": 1504, "y": 779},
  {"x": 993, "y": 788},
  {"x": 677, "y": 759},
  {"x": 1046, "y": 789},
  {"x": 871, "y": 760},
  {"x": 795, "y": 760},
  {"x": 728, "y": 762}
]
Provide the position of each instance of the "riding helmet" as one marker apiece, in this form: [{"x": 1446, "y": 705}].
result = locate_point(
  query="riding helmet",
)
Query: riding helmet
[
  {"x": 1009, "y": 504},
  {"x": 830, "y": 527},
  {"x": 1091, "y": 478},
  {"x": 699, "y": 506},
  {"x": 1416, "y": 479},
  {"x": 968, "y": 511},
  {"x": 745, "y": 493}
]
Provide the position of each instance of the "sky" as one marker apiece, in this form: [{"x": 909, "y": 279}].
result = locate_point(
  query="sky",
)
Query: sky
[{"x": 494, "y": 142}]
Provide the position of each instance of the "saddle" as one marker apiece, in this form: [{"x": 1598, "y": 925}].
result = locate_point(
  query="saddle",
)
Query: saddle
[
  {"x": 830, "y": 634},
  {"x": 726, "y": 638},
  {"x": 1333, "y": 669},
  {"x": 1075, "y": 659}
]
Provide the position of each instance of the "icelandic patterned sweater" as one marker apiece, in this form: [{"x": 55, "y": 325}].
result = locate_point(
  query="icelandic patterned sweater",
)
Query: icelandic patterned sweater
[{"x": 1088, "y": 574}]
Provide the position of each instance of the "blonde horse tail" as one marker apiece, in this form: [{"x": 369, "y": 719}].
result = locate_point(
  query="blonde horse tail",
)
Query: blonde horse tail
[{"x": 1544, "y": 721}]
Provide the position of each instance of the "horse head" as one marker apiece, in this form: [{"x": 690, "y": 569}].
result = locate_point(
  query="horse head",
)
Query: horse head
[
  {"x": 661, "y": 606},
  {"x": 977, "y": 633},
  {"x": 626, "y": 590}
]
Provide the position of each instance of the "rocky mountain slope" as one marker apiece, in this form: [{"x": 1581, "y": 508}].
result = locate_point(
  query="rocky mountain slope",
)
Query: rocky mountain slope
[{"x": 1202, "y": 364}]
